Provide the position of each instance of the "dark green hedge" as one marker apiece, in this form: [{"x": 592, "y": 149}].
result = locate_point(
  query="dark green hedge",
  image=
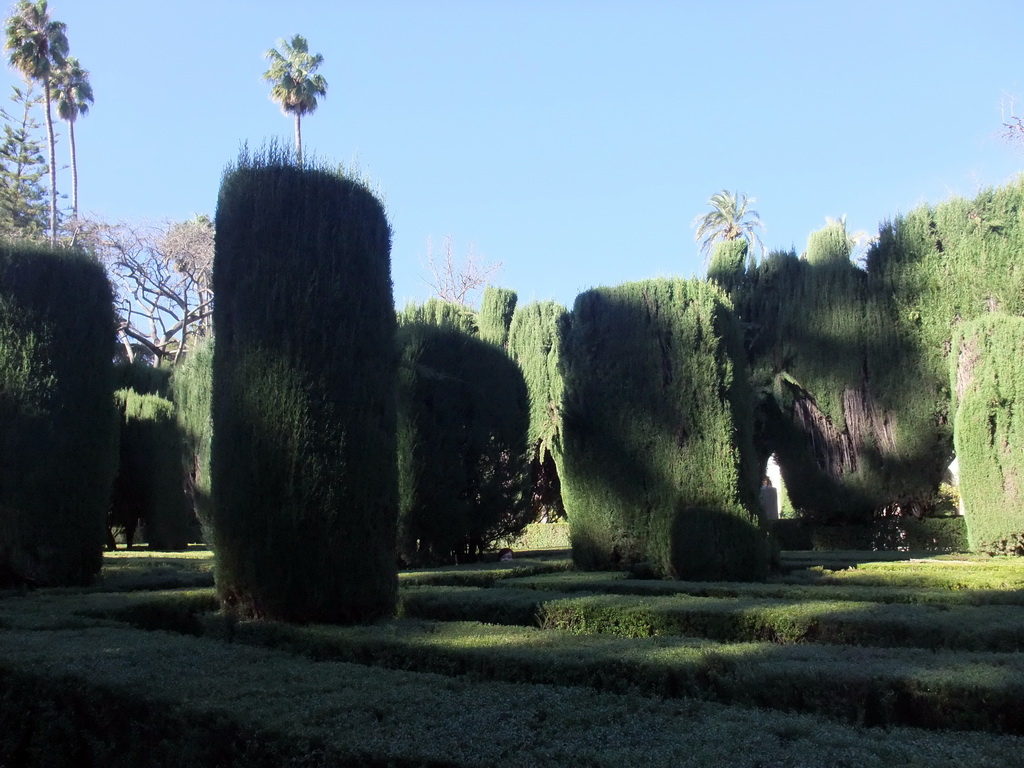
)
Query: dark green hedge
[
  {"x": 192, "y": 386},
  {"x": 935, "y": 534},
  {"x": 659, "y": 471},
  {"x": 150, "y": 482},
  {"x": 58, "y": 423},
  {"x": 303, "y": 459},
  {"x": 463, "y": 419},
  {"x": 987, "y": 381}
]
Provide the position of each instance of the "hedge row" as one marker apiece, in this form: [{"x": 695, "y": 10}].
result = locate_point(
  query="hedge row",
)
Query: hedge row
[
  {"x": 935, "y": 534},
  {"x": 978, "y": 628},
  {"x": 74, "y": 698},
  {"x": 874, "y": 687}
]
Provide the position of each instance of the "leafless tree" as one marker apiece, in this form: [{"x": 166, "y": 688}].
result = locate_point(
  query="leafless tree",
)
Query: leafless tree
[
  {"x": 452, "y": 279},
  {"x": 1013, "y": 126},
  {"x": 162, "y": 275}
]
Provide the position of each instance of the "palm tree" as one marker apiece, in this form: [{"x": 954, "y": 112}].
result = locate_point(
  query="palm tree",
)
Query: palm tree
[
  {"x": 73, "y": 95},
  {"x": 729, "y": 219},
  {"x": 295, "y": 84},
  {"x": 36, "y": 46}
]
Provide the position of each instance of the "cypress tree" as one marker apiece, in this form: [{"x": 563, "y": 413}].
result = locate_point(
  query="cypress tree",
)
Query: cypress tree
[
  {"x": 728, "y": 262},
  {"x": 435, "y": 311},
  {"x": 463, "y": 419},
  {"x": 657, "y": 432},
  {"x": 534, "y": 342},
  {"x": 58, "y": 441},
  {"x": 303, "y": 456},
  {"x": 192, "y": 386},
  {"x": 496, "y": 310},
  {"x": 150, "y": 480},
  {"x": 987, "y": 382}
]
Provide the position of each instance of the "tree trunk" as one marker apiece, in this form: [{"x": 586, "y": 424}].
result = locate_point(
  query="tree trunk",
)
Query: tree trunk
[
  {"x": 298, "y": 137},
  {"x": 74, "y": 169},
  {"x": 53, "y": 164}
]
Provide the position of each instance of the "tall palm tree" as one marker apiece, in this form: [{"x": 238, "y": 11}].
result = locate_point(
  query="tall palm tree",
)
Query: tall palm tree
[
  {"x": 729, "y": 219},
  {"x": 36, "y": 46},
  {"x": 295, "y": 84},
  {"x": 73, "y": 94}
]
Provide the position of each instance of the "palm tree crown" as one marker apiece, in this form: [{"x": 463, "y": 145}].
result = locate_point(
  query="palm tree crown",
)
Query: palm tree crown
[
  {"x": 73, "y": 94},
  {"x": 295, "y": 84},
  {"x": 36, "y": 46},
  {"x": 729, "y": 219}
]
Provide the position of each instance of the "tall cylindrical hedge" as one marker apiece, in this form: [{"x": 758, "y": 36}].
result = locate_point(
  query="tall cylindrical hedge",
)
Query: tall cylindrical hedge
[
  {"x": 192, "y": 387},
  {"x": 534, "y": 342},
  {"x": 657, "y": 423},
  {"x": 463, "y": 419},
  {"x": 987, "y": 382},
  {"x": 304, "y": 470},
  {"x": 58, "y": 423},
  {"x": 150, "y": 482}
]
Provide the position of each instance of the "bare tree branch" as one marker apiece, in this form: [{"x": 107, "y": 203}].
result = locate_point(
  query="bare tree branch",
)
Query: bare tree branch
[
  {"x": 163, "y": 278},
  {"x": 452, "y": 280}
]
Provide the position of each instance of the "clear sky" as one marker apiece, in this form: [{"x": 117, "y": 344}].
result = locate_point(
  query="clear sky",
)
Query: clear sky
[{"x": 574, "y": 141}]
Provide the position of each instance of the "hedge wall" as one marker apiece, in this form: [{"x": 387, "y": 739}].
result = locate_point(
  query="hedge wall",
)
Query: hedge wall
[
  {"x": 58, "y": 441},
  {"x": 304, "y": 474},
  {"x": 192, "y": 386},
  {"x": 463, "y": 418},
  {"x": 987, "y": 382},
  {"x": 659, "y": 471},
  {"x": 150, "y": 481}
]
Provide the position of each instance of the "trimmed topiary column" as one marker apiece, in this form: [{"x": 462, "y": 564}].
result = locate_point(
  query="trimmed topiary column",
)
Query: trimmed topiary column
[
  {"x": 303, "y": 455},
  {"x": 58, "y": 423},
  {"x": 659, "y": 472},
  {"x": 987, "y": 381}
]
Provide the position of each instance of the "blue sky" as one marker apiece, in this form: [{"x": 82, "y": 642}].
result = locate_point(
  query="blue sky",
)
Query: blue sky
[{"x": 572, "y": 141}]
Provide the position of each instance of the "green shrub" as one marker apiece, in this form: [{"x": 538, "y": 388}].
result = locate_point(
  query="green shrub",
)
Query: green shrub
[
  {"x": 534, "y": 342},
  {"x": 303, "y": 452},
  {"x": 150, "y": 482},
  {"x": 541, "y": 536},
  {"x": 58, "y": 439},
  {"x": 438, "y": 312},
  {"x": 496, "y": 310},
  {"x": 192, "y": 385},
  {"x": 463, "y": 416},
  {"x": 659, "y": 466},
  {"x": 987, "y": 381}
]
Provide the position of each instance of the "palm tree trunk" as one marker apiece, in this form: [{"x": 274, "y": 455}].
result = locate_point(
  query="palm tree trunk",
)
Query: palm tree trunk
[
  {"x": 74, "y": 169},
  {"x": 53, "y": 163},
  {"x": 298, "y": 137}
]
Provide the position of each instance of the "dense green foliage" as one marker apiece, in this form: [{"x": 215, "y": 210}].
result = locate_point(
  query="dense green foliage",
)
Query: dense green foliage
[
  {"x": 58, "y": 441},
  {"x": 303, "y": 455},
  {"x": 150, "y": 482},
  {"x": 192, "y": 386},
  {"x": 435, "y": 311},
  {"x": 463, "y": 419},
  {"x": 496, "y": 310},
  {"x": 534, "y": 342},
  {"x": 728, "y": 263},
  {"x": 659, "y": 471},
  {"x": 987, "y": 382},
  {"x": 143, "y": 378},
  {"x": 837, "y": 404}
]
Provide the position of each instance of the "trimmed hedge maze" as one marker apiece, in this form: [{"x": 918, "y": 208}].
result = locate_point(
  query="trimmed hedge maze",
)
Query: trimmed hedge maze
[{"x": 524, "y": 663}]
